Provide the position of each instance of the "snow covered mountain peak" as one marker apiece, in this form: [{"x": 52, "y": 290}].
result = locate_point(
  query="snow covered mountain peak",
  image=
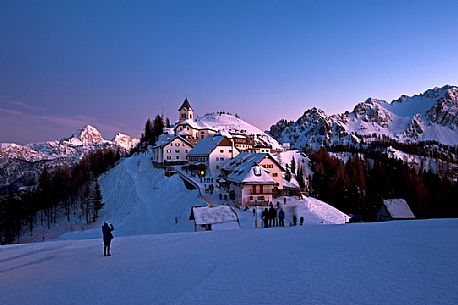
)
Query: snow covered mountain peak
[
  {"x": 87, "y": 135},
  {"x": 432, "y": 115},
  {"x": 21, "y": 164},
  {"x": 125, "y": 141}
]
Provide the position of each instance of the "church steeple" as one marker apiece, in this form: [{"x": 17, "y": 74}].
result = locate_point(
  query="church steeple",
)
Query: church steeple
[
  {"x": 185, "y": 112},
  {"x": 185, "y": 105}
]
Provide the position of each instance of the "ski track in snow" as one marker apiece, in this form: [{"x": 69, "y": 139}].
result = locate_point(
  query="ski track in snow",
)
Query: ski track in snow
[{"x": 405, "y": 262}]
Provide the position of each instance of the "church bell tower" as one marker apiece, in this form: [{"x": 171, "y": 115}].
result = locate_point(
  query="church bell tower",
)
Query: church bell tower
[{"x": 185, "y": 112}]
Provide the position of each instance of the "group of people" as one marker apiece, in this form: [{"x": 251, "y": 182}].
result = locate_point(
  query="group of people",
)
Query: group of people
[{"x": 271, "y": 218}]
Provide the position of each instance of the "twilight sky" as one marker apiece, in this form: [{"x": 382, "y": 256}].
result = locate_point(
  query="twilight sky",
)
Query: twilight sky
[{"x": 112, "y": 64}]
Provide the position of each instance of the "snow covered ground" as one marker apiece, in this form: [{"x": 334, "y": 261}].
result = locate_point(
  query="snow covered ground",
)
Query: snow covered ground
[
  {"x": 139, "y": 199},
  {"x": 313, "y": 210},
  {"x": 408, "y": 262}
]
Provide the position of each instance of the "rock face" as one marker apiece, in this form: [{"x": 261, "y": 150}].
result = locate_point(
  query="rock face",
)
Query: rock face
[
  {"x": 87, "y": 135},
  {"x": 125, "y": 141},
  {"x": 432, "y": 115},
  {"x": 21, "y": 165}
]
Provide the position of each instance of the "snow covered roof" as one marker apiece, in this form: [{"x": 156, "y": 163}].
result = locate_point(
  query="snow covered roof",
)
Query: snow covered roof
[
  {"x": 206, "y": 146},
  {"x": 249, "y": 157},
  {"x": 292, "y": 184},
  {"x": 398, "y": 208},
  {"x": 213, "y": 214},
  {"x": 167, "y": 140},
  {"x": 195, "y": 125},
  {"x": 249, "y": 173}
]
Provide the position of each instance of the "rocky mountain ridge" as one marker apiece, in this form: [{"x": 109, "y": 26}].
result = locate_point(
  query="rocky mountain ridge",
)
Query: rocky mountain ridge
[
  {"x": 430, "y": 116},
  {"x": 20, "y": 165}
]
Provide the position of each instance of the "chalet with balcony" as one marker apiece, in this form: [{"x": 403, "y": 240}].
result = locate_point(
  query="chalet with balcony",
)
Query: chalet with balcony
[
  {"x": 251, "y": 185},
  {"x": 265, "y": 160}
]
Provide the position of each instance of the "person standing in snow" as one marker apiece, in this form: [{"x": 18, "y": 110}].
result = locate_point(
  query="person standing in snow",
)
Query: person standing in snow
[
  {"x": 107, "y": 237},
  {"x": 294, "y": 220},
  {"x": 301, "y": 220},
  {"x": 272, "y": 216},
  {"x": 265, "y": 217},
  {"x": 281, "y": 217}
]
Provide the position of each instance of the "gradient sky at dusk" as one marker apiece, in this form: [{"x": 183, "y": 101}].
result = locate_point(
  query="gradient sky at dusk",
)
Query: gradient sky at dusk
[{"x": 111, "y": 64}]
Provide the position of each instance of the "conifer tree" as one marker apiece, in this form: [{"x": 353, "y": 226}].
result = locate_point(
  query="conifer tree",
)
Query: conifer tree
[
  {"x": 300, "y": 177},
  {"x": 158, "y": 127},
  {"x": 287, "y": 173},
  {"x": 149, "y": 132},
  {"x": 98, "y": 203},
  {"x": 293, "y": 165}
]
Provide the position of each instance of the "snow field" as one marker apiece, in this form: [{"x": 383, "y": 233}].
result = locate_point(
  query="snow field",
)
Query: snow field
[
  {"x": 408, "y": 262},
  {"x": 139, "y": 199}
]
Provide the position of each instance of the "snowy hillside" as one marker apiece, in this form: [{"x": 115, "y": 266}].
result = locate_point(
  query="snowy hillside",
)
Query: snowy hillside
[
  {"x": 409, "y": 262},
  {"x": 21, "y": 164},
  {"x": 226, "y": 123},
  {"x": 432, "y": 115},
  {"x": 139, "y": 199}
]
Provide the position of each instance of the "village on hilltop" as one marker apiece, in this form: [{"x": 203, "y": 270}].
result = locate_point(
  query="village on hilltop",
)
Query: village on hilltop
[{"x": 242, "y": 167}]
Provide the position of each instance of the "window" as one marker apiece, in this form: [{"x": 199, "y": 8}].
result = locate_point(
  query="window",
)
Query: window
[
  {"x": 168, "y": 157},
  {"x": 217, "y": 167},
  {"x": 177, "y": 157},
  {"x": 202, "y": 136},
  {"x": 230, "y": 150},
  {"x": 275, "y": 174},
  {"x": 221, "y": 151},
  {"x": 177, "y": 144},
  {"x": 186, "y": 151},
  {"x": 251, "y": 198},
  {"x": 217, "y": 158},
  {"x": 202, "y": 132},
  {"x": 177, "y": 151},
  {"x": 168, "y": 150},
  {"x": 221, "y": 159}
]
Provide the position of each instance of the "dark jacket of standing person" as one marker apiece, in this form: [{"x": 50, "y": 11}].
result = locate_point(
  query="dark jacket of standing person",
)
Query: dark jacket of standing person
[
  {"x": 272, "y": 216},
  {"x": 281, "y": 218},
  {"x": 294, "y": 220},
  {"x": 265, "y": 217},
  {"x": 107, "y": 237}
]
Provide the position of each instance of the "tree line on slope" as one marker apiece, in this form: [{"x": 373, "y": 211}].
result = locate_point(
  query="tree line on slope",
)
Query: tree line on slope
[
  {"x": 152, "y": 131},
  {"x": 64, "y": 193},
  {"x": 359, "y": 186},
  {"x": 431, "y": 149}
]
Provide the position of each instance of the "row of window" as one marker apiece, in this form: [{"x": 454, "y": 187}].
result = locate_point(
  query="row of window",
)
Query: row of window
[
  {"x": 176, "y": 150},
  {"x": 170, "y": 158},
  {"x": 199, "y": 159},
  {"x": 219, "y": 159}
]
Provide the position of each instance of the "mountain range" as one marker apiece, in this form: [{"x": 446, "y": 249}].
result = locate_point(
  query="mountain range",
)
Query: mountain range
[
  {"x": 21, "y": 165},
  {"x": 430, "y": 116}
]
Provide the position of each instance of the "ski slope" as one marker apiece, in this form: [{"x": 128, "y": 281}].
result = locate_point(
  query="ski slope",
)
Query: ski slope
[
  {"x": 139, "y": 199},
  {"x": 406, "y": 262}
]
